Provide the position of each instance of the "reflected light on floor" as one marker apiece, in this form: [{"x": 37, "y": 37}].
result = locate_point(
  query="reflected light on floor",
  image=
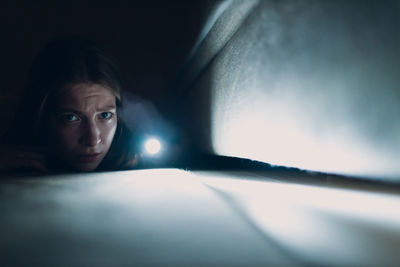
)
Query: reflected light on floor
[
  {"x": 330, "y": 225},
  {"x": 193, "y": 212}
]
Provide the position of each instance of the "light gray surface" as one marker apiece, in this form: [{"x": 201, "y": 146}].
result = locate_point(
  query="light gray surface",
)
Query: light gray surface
[
  {"x": 155, "y": 217},
  {"x": 309, "y": 84},
  {"x": 173, "y": 217}
]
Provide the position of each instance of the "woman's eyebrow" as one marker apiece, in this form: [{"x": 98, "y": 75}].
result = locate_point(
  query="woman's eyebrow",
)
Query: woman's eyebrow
[
  {"x": 66, "y": 109},
  {"x": 107, "y": 107},
  {"x": 63, "y": 109}
]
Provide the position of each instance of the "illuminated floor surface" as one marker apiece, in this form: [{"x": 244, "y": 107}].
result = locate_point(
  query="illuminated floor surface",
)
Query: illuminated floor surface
[{"x": 174, "y": 217}]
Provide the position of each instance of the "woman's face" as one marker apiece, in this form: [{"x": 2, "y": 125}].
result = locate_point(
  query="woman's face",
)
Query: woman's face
[{"x": 82, "y": 125}]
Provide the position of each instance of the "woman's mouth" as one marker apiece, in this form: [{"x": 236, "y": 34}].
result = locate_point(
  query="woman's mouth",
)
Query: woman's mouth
[{"x": 87, "y": 158}]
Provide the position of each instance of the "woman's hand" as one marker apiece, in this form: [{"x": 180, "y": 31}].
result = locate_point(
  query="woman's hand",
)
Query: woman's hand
[{"x": 22, "y": 157}]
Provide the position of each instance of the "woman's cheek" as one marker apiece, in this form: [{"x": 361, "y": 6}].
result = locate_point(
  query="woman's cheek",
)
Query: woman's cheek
[
  {"x": 109, "y": 132},
  {"x": 67, "y": 136}
]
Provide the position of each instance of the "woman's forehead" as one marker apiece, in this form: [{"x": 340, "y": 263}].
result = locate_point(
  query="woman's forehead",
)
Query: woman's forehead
[{"x": 83, "y": 95}]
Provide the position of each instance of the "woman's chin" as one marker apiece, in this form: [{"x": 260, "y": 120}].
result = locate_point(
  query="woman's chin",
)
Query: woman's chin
[{"x": 85, "y": 167}]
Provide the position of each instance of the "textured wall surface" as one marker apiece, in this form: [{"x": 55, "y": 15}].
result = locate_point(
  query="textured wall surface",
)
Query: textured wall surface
[{"x": 309, "y": 84}]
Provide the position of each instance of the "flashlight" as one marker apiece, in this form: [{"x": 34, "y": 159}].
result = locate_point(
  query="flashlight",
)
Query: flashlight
[{"x": 152, "y": 146}]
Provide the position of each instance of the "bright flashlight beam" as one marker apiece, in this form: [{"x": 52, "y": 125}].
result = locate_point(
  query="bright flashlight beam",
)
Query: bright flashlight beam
[{"x": 153, "y": 146}]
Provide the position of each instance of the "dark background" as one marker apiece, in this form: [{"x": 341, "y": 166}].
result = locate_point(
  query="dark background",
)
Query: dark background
[{"x": 150, "y": 40}]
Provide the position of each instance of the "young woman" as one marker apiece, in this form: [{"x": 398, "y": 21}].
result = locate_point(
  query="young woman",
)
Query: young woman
[{"x": 69, "y": 116}]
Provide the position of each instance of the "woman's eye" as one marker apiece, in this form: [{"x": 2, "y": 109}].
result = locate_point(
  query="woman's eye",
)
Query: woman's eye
[
  {"x": 69, "y": 118},
  {"x": 106, "y": 115}
]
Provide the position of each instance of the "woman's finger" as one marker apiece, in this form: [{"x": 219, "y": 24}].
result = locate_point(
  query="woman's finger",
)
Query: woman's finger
[
  {"x": 15, "y": 164},
  {"x": 28, "y": 154},
  {"x": 22, "y": 152}
]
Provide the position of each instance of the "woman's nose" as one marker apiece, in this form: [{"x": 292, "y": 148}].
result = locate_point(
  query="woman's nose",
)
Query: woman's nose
[{"x": 91, "y": 135}]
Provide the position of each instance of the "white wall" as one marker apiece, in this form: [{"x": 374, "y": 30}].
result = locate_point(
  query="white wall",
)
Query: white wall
[{"x": 309, "y": 84}]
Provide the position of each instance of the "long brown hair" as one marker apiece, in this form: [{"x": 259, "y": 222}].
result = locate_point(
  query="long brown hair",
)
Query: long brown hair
[{"x": 60, "y": 63}]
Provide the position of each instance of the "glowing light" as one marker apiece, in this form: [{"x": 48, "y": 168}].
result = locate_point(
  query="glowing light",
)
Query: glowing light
[
  {"x": 153, "y": 146},
  {"x": 291, "y": 140}
]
